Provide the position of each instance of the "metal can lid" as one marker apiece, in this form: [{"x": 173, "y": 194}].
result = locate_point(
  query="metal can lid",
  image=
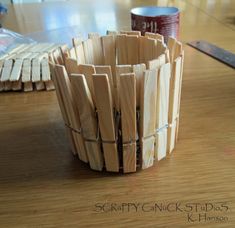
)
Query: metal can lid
[{"x": 154, "y": 11}]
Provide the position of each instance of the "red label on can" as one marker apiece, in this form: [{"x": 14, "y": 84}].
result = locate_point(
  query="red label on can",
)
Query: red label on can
[{"x": 167, "y": 25}]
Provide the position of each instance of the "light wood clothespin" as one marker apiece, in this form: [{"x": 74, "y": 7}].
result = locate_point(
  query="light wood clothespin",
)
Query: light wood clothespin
[
  {"x": 120, "y": 69},
  {"x": 148, "y": 98},
  {"x": 106, "y": 121},
  {"x": 128, "y": 121},
  {"x": 162, "y": 113},
  {"x": 69, "y": 98},
  {"x": 89, "y": 125},
  {"x": 97, "y": 48}
]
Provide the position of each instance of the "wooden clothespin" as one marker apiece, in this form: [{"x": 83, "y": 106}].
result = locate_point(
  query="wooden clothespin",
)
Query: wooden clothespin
[
  {"x": 88, "y": 51},
  {"x": 128, "y": 121},
  {"x": 46, "y": 74},
  {"x": 147, "y": 48},
  {"x": 162, "y": 110},
  {"x": 88, "y": 70},
  {"x": 138, "y": 70},
  {"x": 104, "y": 105},
  {"x": 80, "y": 56},
  {"x": 88, "y": 120},
  {"x": 97, "y": 48},
  {"x": 120, "y": 69},
  {"x": 180, "y": 87},
  {"x": 155, "y": 36},
  {"x": 71, "y": 66},
  {"x": 109, "y": 50},
  {"x": 135, "y": 33},
  {"x": 6, "y": 70},
  {"x": 65, "y": 115},
  {"x": 173, "y": 103},
  {"x": 121, "y": 49},
  {"x": 16, "y": 70},
  {"x": 107, "y": 70},
  {"x": 132, "y": 49},
  {"x": 69, "y": 100},
  {"x": 148, "y": 98}
]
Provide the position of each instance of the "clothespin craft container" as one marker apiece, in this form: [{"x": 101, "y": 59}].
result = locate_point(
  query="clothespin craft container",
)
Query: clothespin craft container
[{"x": 119, "y": 96}]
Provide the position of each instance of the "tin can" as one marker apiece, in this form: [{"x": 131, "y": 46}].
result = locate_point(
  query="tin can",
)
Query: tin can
[{"x": 162, "y": 20}]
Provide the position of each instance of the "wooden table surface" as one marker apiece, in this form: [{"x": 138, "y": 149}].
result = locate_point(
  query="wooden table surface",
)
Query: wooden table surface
[{"x": 43, "y": 185}]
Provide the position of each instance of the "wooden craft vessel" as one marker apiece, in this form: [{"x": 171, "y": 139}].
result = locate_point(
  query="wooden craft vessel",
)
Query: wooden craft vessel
[{"x": 119, "y": 96}]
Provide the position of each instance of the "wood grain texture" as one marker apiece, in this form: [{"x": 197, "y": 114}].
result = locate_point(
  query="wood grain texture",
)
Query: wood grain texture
[
  {"x": 167, "y": 54},
  {"x": 36, "y": 69},
  {"x": 58, "y": 56},
  {"x": 26, "y": 70},
  {"x": 104, "y": 105},
  {"x": 17, "y": 85},
  {"x": 163, "y": 95},
  {"x": 159, "y": 45},
  {"x": 49, "y": 85},
  {"x": 160, "y": 48},
  {"x": 64, "y": 113},
  {"x": 135, "y": 33},
  {"x": 162, "y": 59},
  {"x": 107, "y": 70},
  {"x": 7, "y": 85},
  {"x": 177, "y": 50},
  {"x": 171, "y": 43},
  {"x": 180, "y": 89},
  {"x": 46, "y": 75},
  {"x": 128, "y": 106},
  {"x": 28, "y": 86},
  {"x": 88, "y": 70},
  {"x": 71, "y": 66},
  {"x": 174, "y": 96},
  {"x": 155, "y": 36},
  {"x": 132, "y": 49},
  {"x": 149, "y": 90},
  {"x": 153, "y": 64},
  {"x": 109, "y": 50},
  {"x": 6, "y": 70},
  {"x": 128, "y": 121},
  {"x": 161, "y": 144},
  {"x": 147, "y": 49},
  {"x": 88, "y": 120},
  {"x": 26, "y": 75},
  {"x": 121, "y": 49},
  {"x": 138, "y": 70},
  {"x": 72, "y": 53},
  {"x": 68, "y": 99},
  {"x": 16, "y": 70},
  {"x": 171, "y": 136},
  {"x": 43, "y": 185},
  {"x": 79, "y": 50},
  {"x": 175, "y": 81},
  {"x": 40, "y": 85},
  {"x": 148, "y": 97},
  {"x": 88, "y": 51},
  {"x": 162, "y": 107},
  {"x": 65, "y": 52},
  {"x": 60, "y": 96},
  {"x": 119, "y": 69},
  {"x": 97, "y": 48}
]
